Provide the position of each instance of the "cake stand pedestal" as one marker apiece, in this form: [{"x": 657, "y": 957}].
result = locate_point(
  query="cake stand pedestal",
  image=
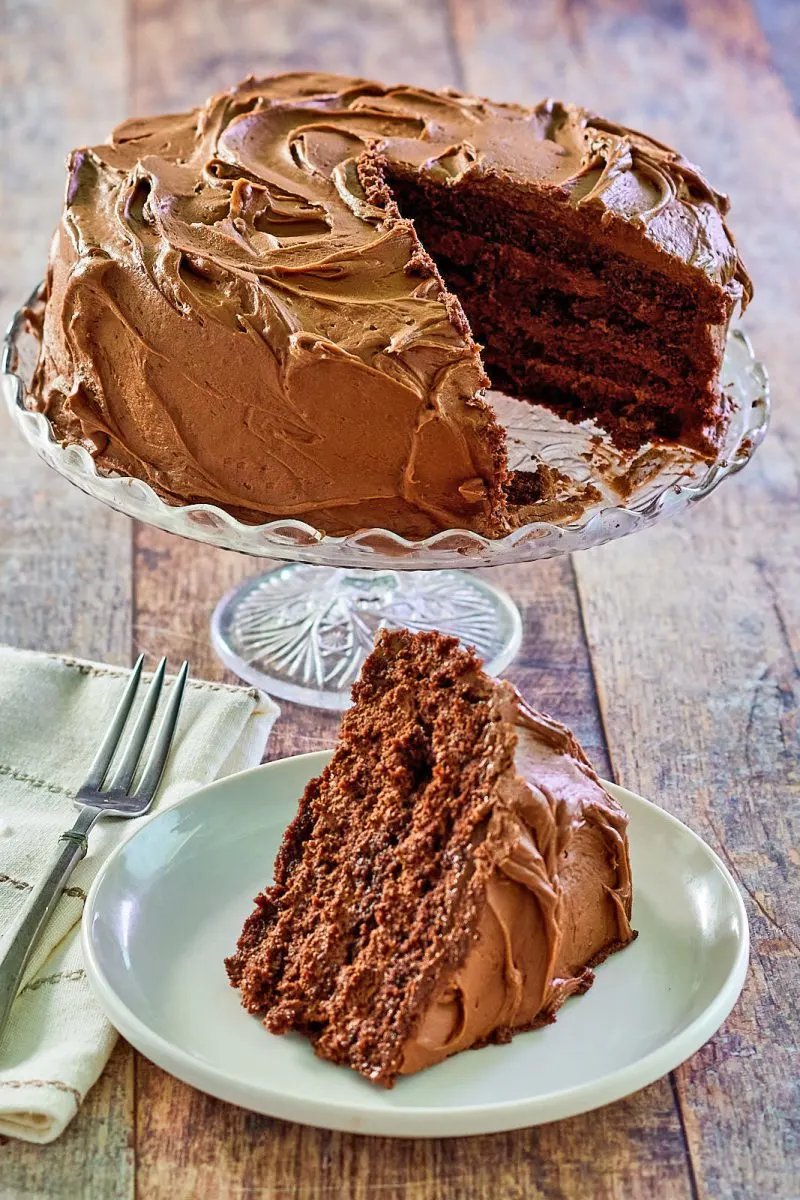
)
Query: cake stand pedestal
[{"x": 302, "y": 630}]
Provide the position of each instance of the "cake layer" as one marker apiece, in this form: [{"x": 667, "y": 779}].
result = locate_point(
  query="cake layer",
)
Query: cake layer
[
  {"x": 527, "y": 337},
  {"x": 544, "y": 222},
  {"x": 493, "y": 279},
  {"x": 467, "y": 258},
  {"x": 630, "y": 417},
  {"x": 450, "y": 877},
  {"x": 611, "y": 329}
]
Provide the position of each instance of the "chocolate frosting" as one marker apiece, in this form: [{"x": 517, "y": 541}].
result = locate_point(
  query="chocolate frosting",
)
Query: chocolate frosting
[
  {"x": 233, "y": 317},
  {"x": 557, "y": 895}
]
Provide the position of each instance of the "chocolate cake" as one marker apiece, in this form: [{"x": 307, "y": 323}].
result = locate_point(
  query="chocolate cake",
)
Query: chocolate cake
[
  {"x": 450, "y": 879},
  {"x": 289, "y": 301}
]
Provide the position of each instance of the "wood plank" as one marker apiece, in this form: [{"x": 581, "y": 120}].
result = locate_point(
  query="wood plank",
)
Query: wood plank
[
  {"x": 230, "y": 1153},
  {"x": 695, "y": 628},
  {"x": 94, "y": 1157},
  {"x": 176, "y": 585},
  {"x": 65, "y": 561},
  {"x": 781, "y": 26}
]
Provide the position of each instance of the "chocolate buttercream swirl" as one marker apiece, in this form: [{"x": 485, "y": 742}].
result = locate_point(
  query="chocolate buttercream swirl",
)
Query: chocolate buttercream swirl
[
  {"x": 557, "y": 895},
  {"x": 234, "y": 317}
]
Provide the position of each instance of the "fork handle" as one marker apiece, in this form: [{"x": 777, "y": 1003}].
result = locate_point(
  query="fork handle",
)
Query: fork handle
[{"x": 17, "y": 945}]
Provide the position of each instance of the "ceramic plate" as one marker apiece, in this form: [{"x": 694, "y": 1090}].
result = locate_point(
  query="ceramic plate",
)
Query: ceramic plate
[{"x": 168, "y": 905}]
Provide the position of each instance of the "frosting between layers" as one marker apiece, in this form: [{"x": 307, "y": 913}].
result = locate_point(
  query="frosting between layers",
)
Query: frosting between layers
[
  {"x": 557, "y": 897},
  {"x": 230, "y": 318}
]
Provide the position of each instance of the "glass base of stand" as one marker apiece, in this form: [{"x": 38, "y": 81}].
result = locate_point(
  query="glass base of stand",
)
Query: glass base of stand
[{"x": 301, "y": 633}]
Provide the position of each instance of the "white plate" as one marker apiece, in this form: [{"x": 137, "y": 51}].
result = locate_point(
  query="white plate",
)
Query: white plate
[{"x": 168, "y": 906}]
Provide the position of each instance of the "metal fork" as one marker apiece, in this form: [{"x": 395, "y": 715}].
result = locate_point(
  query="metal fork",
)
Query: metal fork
[{"x": 117, "y": 800}]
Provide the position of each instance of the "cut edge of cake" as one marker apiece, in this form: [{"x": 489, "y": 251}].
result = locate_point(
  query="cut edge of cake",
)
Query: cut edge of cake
[{"x": 571, "y": 306}]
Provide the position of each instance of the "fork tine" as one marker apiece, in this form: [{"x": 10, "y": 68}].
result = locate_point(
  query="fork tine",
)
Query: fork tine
[
  {"x": 102, "y": 760},
  {"x": 126, "y": 770},
  {"x": 160, "y": 752}
]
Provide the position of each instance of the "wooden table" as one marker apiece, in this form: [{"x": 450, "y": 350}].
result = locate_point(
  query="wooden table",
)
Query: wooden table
[{"x": 673, "y": 654}]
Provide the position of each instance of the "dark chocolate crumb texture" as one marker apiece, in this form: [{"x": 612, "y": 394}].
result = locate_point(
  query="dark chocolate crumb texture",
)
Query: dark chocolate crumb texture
[
  {"x": 288, "y": 302},
  {"x": 450, "y": 879}
]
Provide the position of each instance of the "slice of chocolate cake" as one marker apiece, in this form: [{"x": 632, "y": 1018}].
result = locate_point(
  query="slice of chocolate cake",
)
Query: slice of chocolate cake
[{"x": 450, "y": 879}]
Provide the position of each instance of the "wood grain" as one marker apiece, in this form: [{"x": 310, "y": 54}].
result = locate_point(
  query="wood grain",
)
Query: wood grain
[
  {"x": 781, "y": 27},
  {"x": 230, "y": 1153},
  {"x": 65, "y": 561},
  {"x": 186, "y": 49}
]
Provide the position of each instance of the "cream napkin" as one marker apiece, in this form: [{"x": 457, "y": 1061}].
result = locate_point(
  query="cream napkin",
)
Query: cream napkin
[{"x": 53, "y": 712}]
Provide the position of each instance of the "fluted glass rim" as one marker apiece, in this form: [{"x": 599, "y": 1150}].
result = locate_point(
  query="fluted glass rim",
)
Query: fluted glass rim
[{"x": 297, "y": 541}]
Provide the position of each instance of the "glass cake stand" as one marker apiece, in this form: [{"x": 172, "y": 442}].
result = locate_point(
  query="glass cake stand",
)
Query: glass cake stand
[{"x": 302, "y": 630}]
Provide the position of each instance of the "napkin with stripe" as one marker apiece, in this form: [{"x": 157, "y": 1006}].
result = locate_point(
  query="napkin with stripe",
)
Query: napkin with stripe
[{"x": 53, "y": 713}]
